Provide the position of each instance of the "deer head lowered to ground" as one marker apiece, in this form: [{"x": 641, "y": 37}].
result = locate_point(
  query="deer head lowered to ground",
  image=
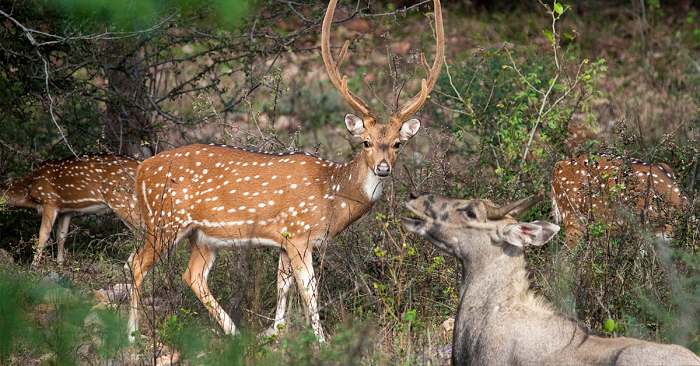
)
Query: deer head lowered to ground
[
  {"x": 221, "y": 197},
  {"x": 95, "y": 183},
  {"x": 500, "y": 320},
  {"x": 589, "y": 187}
]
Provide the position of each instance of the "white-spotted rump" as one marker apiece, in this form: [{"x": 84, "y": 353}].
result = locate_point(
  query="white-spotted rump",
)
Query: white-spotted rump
[{"x": 587, "y": 188}]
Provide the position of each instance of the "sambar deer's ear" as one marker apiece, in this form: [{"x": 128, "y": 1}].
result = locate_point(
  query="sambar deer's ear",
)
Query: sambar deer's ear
[
  {"x": 547, "y": 233},
  {"x": 522, "y": 234},
  {"x": 354, "y": 124},
  {"x": 409, "y": 129}
]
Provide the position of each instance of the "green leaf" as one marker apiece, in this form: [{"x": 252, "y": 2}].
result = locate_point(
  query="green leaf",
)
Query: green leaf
[
  {"x": 609, "y": 325},
  {"x": 549, "y": 35},
  {"x": 558, "y": 8},
  {"x": 569, "y": 36},
  {"x": 410, "y": 315}
]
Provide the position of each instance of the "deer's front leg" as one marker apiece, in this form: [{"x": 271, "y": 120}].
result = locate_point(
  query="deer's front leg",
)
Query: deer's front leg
[
  {"x": 285, "y": 279},
  {"x": 302, "y": 267},
  {"x": 47, "y": 219}
]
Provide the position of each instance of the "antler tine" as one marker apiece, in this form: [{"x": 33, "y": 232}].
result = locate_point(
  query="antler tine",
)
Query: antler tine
[
  {"x": 409, "y": 108},
  {"x": 333, "y": 67},
  {"x": 341, "y": 56},
  {"x": 424, "y": 63}
]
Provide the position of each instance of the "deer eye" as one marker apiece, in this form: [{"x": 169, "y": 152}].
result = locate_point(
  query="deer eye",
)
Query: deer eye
[
  {"x": 397, "y": 145},
  {"x": 470, "y": 211},
  {"x": 366, "y": 143}
]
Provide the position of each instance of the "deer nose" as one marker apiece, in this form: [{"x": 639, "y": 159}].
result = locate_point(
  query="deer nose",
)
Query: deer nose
[{"x": 383, "y": 169}]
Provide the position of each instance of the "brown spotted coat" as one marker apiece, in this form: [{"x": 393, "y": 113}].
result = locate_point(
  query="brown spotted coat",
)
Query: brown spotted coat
[
  {"x": 587, "y": 188},
  {"x": 97, "y": 183}
]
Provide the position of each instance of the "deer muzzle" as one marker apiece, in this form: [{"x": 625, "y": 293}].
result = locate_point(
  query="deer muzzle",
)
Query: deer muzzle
[{"x": 383, "y": 169}]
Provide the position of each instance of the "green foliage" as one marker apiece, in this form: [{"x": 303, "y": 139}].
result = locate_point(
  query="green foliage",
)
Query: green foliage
[
  {"x": 119, "y": 15},
  {"x": 679, "y": 315},
  {"x": 511, "y": 108},
  {"x": 62, "y": 314},
  {"x": 347, "y": 347},
  {"x": 609, "y": 325},
  {"x": 15, "y": 325}
]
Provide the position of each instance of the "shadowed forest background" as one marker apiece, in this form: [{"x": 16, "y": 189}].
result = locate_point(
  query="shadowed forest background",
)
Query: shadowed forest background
[{"x": 519, "y": 79}]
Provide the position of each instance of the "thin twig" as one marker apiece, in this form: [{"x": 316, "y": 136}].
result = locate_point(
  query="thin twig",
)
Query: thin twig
[
  {"x": 692, "y": 61},
  {"x": 400, "y": 11},
  {"x": 51, "y": 105},
  {"x": 666, "y": 137}
]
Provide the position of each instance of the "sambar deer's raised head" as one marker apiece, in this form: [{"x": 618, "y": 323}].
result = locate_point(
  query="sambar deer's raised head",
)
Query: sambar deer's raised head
[
  {"x": 468, "y": 229},
  {"x": 381, "y": 142}
]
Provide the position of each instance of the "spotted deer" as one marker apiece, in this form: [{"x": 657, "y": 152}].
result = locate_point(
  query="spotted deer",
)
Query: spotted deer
[
  {"x": 579, "y": 134},
  {"x": 222, "y": 197},
  {"x": 92, "y": 183},
  {"x": 500, "y": 319},
  {"x": 587, "y": 188}
]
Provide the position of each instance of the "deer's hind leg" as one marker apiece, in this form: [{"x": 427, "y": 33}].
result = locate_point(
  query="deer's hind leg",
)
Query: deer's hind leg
[{"x": 63, "y": 224}]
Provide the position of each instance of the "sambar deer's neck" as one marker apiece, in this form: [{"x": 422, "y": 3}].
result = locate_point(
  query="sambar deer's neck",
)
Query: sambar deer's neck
[{"x": 495, "y": 279}]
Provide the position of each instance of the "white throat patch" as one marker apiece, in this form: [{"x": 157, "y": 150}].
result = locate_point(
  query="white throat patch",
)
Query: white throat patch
[{"x": 373, "y": 186}]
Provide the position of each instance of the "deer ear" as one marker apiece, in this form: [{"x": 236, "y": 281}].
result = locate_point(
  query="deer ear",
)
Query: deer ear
[
  {"x": 354, "y": 124},
  {"x": 409, "y": 128},
  {"x": 522, "y": 234},
  {"x": 547, "y": 233}
]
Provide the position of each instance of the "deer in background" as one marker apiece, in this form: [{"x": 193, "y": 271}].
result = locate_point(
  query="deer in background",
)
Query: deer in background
[
  {"x": 579, "y": 134},
  {"x": 94, "y": 183},
  {"x": 500, "y": 319},
  {"x": 221, "y": 197},
  {"x": 591, "y": 186}
]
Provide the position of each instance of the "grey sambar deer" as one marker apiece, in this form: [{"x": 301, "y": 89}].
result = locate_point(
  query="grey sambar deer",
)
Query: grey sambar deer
[{"x": 500, "y": 320}]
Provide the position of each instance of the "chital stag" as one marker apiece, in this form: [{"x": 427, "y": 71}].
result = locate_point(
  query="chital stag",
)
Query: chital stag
[
  {"x": 500, "y": 319},
  {"x": 221, "y": 197},
  {"x": 94, "y": 184},
  {"x": 587, "y": 188}
]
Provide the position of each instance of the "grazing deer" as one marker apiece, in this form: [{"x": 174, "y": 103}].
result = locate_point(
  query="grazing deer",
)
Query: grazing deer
[
  {"x": 94, "y": 183},
  {"x": 500, "y": 320},
  {"x": 579, "y": 134},
  {"x": 221, "y": 197},
  {"x": 589, "y": 187}
]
